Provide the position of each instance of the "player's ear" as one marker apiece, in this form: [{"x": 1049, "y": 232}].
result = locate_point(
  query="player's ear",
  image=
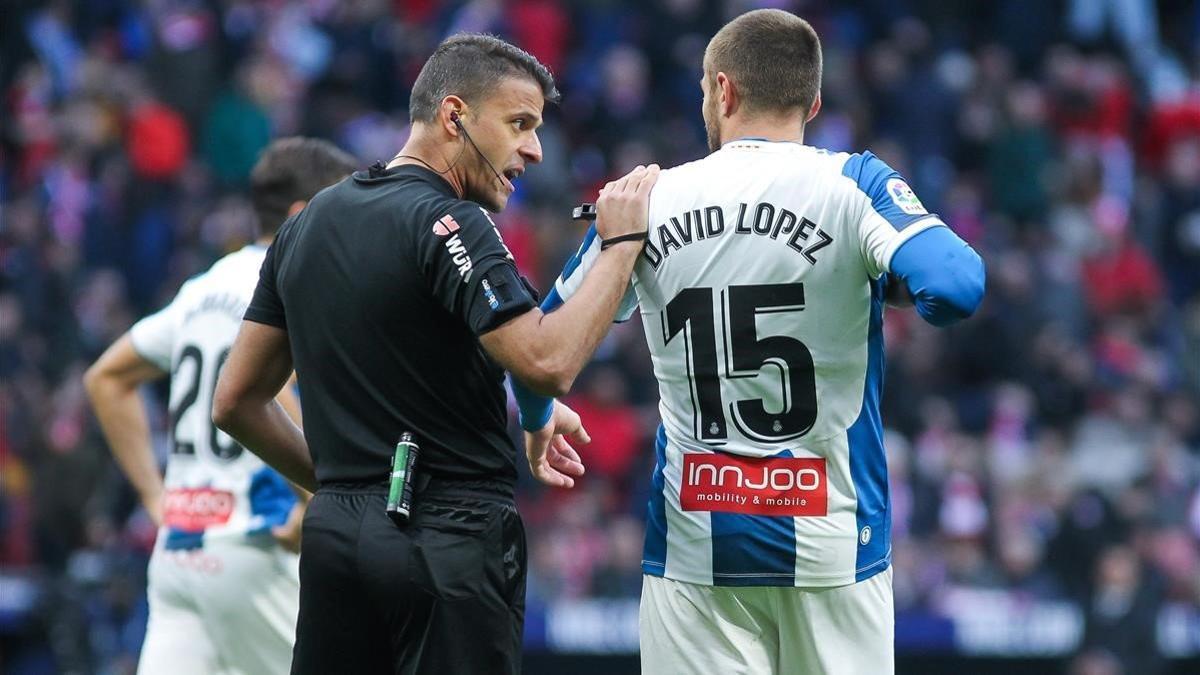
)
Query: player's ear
[
  {"x": 727, "y": 95},
  {"x": 296, "y": 207},
  {"x": 816, "y": 108}
]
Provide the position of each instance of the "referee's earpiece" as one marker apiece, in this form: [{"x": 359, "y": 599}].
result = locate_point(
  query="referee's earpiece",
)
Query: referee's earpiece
[{"x": 458, "y": 123}]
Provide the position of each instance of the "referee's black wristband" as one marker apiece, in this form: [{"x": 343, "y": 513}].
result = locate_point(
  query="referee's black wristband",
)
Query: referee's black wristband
[{"x": 640, "y": 236}]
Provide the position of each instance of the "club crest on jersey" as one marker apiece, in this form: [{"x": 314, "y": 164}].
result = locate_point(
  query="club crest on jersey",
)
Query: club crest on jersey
[
  {"x": 904, "y": 198},
  {"x": 763, "y": 486},
  {"x": 445, "y": 226}
]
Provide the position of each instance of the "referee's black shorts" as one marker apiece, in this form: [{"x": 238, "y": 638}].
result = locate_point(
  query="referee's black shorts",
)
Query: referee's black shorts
[{"x": 444, "y": 594}]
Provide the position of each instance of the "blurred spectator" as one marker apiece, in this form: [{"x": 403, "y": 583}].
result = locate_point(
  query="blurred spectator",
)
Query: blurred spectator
[
  {"x": 618, "y": 439},
  {"x": 1122, "y": 612},
  {"x": 235, "y": 132}
]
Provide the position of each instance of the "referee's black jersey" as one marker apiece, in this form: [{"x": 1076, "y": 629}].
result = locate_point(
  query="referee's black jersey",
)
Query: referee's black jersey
[{"x": 383, "y": 284}]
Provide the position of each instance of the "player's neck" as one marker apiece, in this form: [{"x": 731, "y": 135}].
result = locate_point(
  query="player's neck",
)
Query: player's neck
[
  {"x": 789, "y": 128},
  {"x": 441, "y": 158}
]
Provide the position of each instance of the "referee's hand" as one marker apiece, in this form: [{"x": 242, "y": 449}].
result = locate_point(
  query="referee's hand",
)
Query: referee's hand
[
  {"x": 624, "y": 204},
  {"x": 552, "y": 460}
]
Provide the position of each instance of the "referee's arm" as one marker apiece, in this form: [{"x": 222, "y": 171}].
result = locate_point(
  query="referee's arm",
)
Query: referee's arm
[
  {"x": 245, "y": 404},
  {"x": 547, "y": 351}
]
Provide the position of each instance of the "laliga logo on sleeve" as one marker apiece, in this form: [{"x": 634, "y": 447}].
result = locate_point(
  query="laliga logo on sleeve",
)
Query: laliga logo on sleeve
[
  {"x": 904, "y": 198},
  {"x": 763, "y": 486}
]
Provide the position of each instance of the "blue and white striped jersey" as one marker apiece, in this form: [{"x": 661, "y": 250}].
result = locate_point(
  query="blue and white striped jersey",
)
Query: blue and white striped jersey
[
  {"x": 214, "y": 488},
  {"x": 761, "y": 294}
]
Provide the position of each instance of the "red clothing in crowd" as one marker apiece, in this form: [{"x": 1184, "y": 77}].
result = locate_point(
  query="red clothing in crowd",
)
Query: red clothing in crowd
[
  {"x": 616, "y": 437},
  {"x": 158, "y": 142},
  {"x": 1122, "y": 280}
]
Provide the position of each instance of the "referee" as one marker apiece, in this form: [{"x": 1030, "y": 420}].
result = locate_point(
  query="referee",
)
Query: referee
[{"x": 399, "y": 306}]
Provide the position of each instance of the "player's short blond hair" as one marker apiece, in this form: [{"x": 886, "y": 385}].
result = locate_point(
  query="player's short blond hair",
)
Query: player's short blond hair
[{"x": 772, "y": 57}]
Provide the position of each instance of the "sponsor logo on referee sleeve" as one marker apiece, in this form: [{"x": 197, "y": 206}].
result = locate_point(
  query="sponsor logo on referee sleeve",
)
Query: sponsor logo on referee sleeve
[
  {"x": 904, "y": 198},
  {"x": 445, "y": 226},
  {"x": 766, "y": 486},
  {"x": 490, "y": 295},
  {"x": 460, "y": 257}
]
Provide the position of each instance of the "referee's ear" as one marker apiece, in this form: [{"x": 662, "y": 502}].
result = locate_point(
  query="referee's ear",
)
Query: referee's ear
[
  {"x": 296, "y": 207},
  {"x": 451, "y": 104}
]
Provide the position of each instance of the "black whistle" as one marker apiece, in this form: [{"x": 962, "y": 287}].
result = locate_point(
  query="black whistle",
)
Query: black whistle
[{"x": 584, "y": 211}]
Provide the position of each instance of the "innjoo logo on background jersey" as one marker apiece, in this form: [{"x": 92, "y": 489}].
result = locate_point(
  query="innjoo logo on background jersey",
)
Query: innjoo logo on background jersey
[
  {"x": 195, "y": 509},
  {"x": 763, "y": 486}
]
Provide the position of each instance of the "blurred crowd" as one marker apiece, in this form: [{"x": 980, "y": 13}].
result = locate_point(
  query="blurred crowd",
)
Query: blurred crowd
[{"x": 1047, "y": 447}]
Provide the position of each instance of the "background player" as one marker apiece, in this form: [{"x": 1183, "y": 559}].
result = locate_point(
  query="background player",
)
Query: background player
[
  {"x": 223, "y": 591},
  {"x": 761, "y": 291}
]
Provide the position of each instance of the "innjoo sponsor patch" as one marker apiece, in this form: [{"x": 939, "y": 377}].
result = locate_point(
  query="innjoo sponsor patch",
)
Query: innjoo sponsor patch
[
  {"x": 196, "y": 509},
  {"x": 764, "y": 486}
]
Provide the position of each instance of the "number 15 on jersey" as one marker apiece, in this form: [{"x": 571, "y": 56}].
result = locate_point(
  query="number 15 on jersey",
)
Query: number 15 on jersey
[{"x": 744, "y": 354}]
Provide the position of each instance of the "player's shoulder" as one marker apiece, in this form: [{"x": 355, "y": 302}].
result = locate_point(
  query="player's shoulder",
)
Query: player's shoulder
[
  {"x": 685, "y": 170},
  {"x": 189, "y": 293},
  {"x": 231, "y": 270},
  {"x": 689, "y": 176},
  {"x": 780, "y": 156},
  {"x": 869, "y": 173},
  {"x": 193, "y": 284},
  {"x": 826, "y": 162},
  {"x": 250, "y": 255}
]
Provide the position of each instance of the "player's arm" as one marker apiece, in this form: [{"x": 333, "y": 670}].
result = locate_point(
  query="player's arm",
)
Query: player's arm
[
  {"x": 112, "y": 384},
  {"x": 547, "y": 351},
  {"x": 943, "y": 275},
  {"x": 924, "y": 260},
  {"x": 245, "y": 404}
]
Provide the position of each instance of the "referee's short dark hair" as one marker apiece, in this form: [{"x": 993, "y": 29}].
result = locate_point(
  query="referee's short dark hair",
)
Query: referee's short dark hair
[
  {"x": 290, "y": 170},
  {"x": 773, "y": 58},
  {"x": 469, "y": 65}
]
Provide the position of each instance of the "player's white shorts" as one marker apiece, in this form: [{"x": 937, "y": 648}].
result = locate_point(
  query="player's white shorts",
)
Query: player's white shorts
[
  {"x": 845, "y": 630},
  {"x": 227, "y": 608}
]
